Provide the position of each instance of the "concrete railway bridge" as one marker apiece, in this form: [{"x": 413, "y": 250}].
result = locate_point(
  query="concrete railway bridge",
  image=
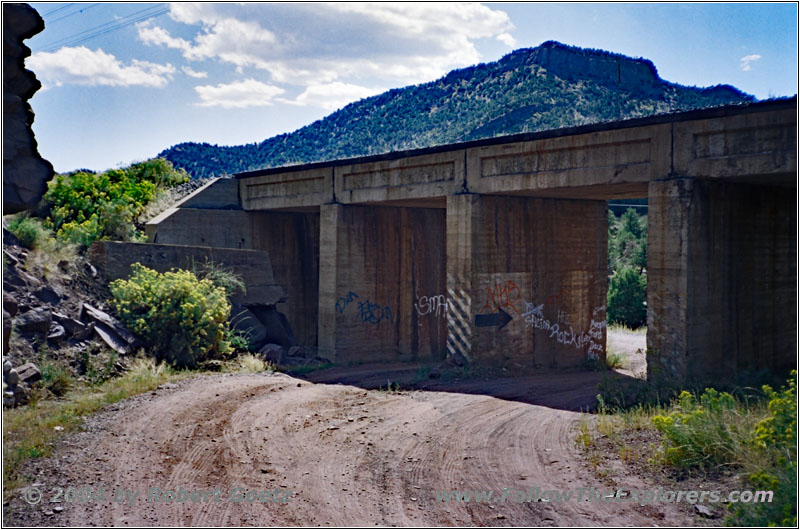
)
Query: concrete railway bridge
[{"x": 495, "y": 251}]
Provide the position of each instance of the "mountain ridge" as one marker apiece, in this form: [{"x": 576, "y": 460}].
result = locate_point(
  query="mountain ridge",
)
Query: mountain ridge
[{"x": 550, "y": 86}]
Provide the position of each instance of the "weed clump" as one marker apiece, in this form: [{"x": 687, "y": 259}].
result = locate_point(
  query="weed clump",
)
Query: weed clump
[
  {"x": 29, "y": 230},
  {"x": 714, "y": 430}
]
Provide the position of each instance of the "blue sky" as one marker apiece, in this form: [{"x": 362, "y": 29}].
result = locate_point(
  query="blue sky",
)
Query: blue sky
[{"x": 124, "y": 81}]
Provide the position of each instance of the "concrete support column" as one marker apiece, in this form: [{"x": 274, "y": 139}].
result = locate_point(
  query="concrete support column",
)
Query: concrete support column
[
  {"x": 462, "y": 214},
  {"x": 328, "y": 245},
  {"x": 667, "y": 277}
]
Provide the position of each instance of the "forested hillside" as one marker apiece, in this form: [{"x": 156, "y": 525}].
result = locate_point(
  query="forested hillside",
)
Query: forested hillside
[{"x": 534, "y": 89}]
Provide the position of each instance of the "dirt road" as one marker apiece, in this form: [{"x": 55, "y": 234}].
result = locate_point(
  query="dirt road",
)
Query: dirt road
[{"x": 349, "y": 454}]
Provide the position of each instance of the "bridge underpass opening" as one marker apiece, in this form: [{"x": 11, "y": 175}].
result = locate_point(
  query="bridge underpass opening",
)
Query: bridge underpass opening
[
  {"x": 382, "y": 283},
  {"x": 626, "y": 309}
]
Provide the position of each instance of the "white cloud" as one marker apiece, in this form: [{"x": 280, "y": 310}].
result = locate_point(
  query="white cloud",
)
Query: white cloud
[
  {"x": 160, "y": 36},
  {"x": 333, "y": 96},
  {"x": 744, "y": 62},
  {"x": 82, "y": 66},
  {"x": 238, "y": 95},
  {"x": 507, "y": 39},
  {"x": 192, "y": 73},
  {"x": 319, "y": 44}
]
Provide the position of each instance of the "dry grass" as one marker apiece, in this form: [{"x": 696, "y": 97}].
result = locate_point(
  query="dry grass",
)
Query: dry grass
[
  {"x": 31, "y": 432},
  {"x": 249, "y": 364}
]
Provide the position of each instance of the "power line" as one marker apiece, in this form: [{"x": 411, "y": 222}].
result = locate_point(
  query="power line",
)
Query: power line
[
  {"x": 71, "y": 14},
  {"x": 58, "y": 9},
  {"x": 106, "y": 28}
]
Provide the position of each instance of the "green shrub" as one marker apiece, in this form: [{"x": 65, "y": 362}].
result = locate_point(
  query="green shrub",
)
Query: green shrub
[
  {"x": 30, "y": 231},
  {"x": 627, "y": 293},
  {"x": 56, "y": 379},
  {"x": 705, "y": 432},
  {"x": 614, "y": 360},
  {"x": 780, "y": 428},
  {"x": 775, "y": 435},
  {"x": 757, "y": 440},
  {"x": 238, "y": 339},
  {"x": 183, "y": 319},
  {"x": 86, "y": 206}
]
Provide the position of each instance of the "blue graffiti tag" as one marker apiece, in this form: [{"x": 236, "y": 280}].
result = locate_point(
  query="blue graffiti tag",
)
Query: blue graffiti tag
[
  {"x": 344, "y": 301},
  {"x": 373, "y": 313}
]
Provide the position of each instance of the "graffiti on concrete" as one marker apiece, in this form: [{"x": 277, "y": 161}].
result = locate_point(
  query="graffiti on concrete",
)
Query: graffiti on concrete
[
  {"x": 591, "y": 340},
  {"x": 373, "y": 313},
  {"x": 563, "y": 317},
  {"x": 502, "y": 295},
  {"x": 344, "y": 301},
  {"x": 368, "y": 312},
  {"x": 435, "y": 305}
]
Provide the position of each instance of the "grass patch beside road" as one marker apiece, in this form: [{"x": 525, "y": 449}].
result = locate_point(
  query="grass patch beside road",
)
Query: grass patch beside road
[
  {"x": 751, "y": 436},
  {"x": 31, "y": 431}
]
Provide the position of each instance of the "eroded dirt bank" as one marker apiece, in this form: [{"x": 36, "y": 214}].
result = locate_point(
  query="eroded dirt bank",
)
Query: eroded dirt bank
[{"x": 349, "y": 455}]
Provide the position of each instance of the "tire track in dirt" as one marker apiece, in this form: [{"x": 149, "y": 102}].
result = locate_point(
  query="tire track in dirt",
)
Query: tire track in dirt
[{"x": 351, "y": 457}]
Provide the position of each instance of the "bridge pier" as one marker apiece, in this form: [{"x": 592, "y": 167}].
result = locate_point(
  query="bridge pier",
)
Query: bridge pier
[
  {"x": 721, "y": 262},
  {"x": 526, "y": 280}
]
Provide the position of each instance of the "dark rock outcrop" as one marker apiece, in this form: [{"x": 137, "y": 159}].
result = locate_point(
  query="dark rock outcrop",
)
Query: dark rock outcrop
[{"x": 25, "y": 173}]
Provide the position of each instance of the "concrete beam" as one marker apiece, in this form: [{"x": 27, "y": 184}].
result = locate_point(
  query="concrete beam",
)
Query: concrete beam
[
  {"x": 609, "y": 158},
  {"x": 416, "y": 177},
  {"x": 753, "y": 146},
  {"x": 288, "y": 189}
]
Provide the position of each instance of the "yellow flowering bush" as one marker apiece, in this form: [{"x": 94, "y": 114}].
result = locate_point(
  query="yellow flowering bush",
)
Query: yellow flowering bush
[
  {"x": 183, "y": 320},
  {"x": 701, "y": 431}
]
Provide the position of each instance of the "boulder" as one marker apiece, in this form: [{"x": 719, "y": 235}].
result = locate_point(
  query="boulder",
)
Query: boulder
[
  {"x": 111, "y": 338},
  {"x": 56, "y": 331},
  {"x": 212, "y": 365},
  {"x": 21, "y": 394},
  {"x": 36, "y": 320},
  {"x": 7, "y": 321},
  {"x": 244, "y": 320},
  {"x": 70, "y": 325},
  {"x": 29, "y": 373},
  {"x": 11, "y": 378},
  {"x": 109, "y": 329},
  {"x": 49, "y": 295},
  {"x": 14, "y": 278},
  {"x": 276, "y": 325},
  {"x": 10, "y": 240},
  {"x": 10, "y": 304},
  {"x": 297, "y": 351},
  {"x": 273, "y": 353}
]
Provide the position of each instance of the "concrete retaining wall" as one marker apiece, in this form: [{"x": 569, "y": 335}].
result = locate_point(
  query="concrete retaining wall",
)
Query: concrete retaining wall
[{"x": 114, "y": 260}]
